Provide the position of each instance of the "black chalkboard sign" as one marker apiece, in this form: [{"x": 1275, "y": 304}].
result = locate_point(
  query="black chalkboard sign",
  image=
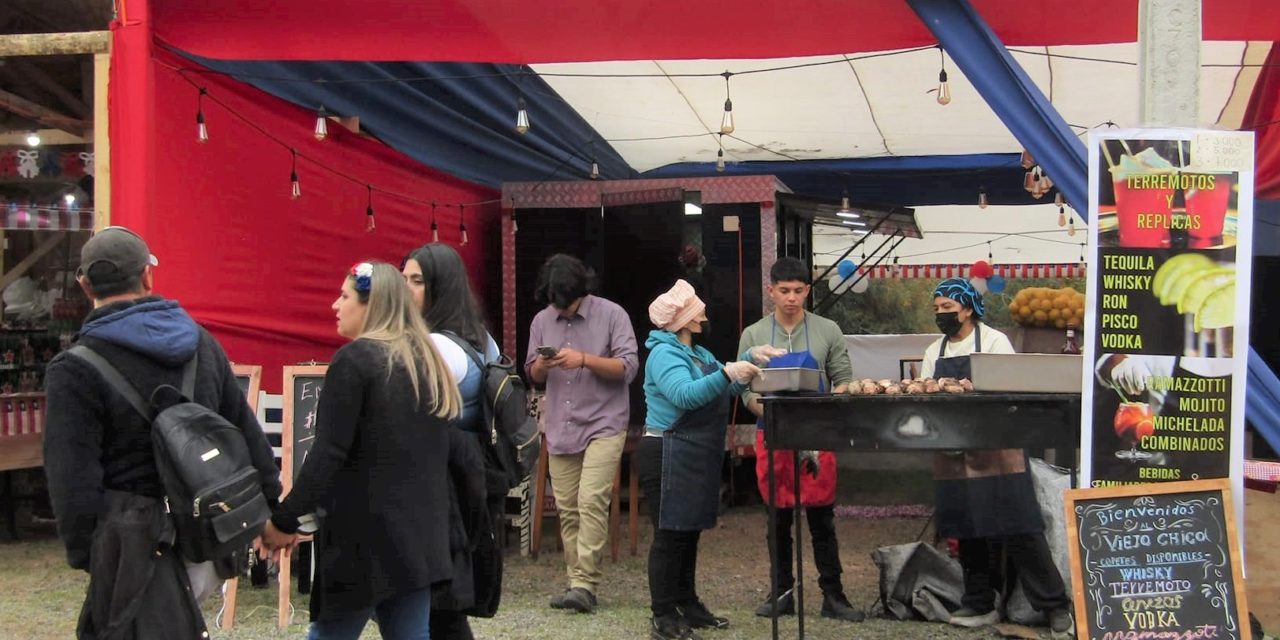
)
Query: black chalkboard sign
[
  {"x": 302, "y": 387},
  {"x": 1156, "y": 561},
  {"x": 249, "y": 379}
]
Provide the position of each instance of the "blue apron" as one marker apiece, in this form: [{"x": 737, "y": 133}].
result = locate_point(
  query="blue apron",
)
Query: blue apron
[
  {"x": 692, "y": 457},
  {"x": 981, "y": 493}
]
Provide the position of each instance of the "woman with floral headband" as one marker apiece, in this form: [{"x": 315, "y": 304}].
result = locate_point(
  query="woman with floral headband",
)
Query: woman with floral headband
[
  {"x": 377, "y": 469},
  {"x": 437, "y": 280}
]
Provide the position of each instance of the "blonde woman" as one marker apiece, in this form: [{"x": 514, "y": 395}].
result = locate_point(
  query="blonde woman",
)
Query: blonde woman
[{"x": 377, "y": 469}]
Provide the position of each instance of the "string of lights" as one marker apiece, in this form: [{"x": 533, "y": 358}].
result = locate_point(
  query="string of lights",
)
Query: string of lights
[{"x": 321, "y": 133}]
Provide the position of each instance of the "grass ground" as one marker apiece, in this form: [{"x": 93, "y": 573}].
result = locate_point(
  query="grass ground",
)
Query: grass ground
[{"x": 40, "y": 597}]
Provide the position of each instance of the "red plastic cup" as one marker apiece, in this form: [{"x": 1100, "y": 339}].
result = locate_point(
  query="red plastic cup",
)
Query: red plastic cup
[
  {"x": 1153, "y": 206},
  {"x": 1209, "y": 204}
]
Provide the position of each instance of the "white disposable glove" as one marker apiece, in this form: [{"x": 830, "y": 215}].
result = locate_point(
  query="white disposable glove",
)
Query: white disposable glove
[
  {"x": 761, "y": 355},
  {"x": 1131, "y": 375},
  {"x": 741, "y": 371}
]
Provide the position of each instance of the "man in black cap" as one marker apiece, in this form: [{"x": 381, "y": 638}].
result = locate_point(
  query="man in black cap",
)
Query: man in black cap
[{"x": 103, "y": 481}]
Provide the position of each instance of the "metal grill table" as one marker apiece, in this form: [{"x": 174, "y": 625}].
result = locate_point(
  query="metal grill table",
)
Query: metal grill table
[{"x": 934, "y": 422}]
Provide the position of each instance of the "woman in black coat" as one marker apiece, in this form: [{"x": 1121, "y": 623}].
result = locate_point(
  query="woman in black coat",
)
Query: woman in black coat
[{"x": 377, "y": 471}]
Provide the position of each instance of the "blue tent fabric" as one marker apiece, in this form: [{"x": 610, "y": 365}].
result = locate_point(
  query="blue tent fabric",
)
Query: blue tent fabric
[
  {"x": 894, "y": 180},
  {"x": 459, "y": 118},
  {"x": 1010, "y": 93},
  {"x": 1262, "y": 400}
]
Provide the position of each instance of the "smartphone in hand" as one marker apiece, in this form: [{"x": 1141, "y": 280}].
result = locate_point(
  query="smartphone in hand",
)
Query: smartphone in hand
[{"x": 547, "y": 352}]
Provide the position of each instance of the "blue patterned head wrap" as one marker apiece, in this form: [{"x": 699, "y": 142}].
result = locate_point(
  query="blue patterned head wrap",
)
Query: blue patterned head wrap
[{"x": 961, "y": 291}]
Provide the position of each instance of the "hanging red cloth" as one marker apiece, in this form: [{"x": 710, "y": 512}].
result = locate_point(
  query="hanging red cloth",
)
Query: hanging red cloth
[{"x": 1262, "y": 116}]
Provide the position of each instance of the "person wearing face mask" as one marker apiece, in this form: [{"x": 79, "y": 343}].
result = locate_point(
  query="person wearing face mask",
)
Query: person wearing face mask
[
  {"x": 687, "y": 395},
  {"x": 987, "y": 496}
]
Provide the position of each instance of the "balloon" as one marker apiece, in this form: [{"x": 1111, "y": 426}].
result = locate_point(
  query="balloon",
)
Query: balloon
[
  {"x": 846, "y": 268},
  {"x": 996, "y": 284},
  {"x": 861, "y": 285},
  {"x": 981, "y": 269},
  {"x": 979, "y": 283},
  {"x": 839, "y": 284}
]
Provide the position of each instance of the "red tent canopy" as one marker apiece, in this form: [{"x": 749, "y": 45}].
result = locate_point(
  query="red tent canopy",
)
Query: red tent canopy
[{"x": 522, "y": 31}]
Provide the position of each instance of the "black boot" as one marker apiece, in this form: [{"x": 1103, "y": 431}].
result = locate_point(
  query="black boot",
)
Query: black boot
[
  {"x": 698, "y": 617},
  {"x": 671, "y": 627},
  {"x": 835, "y": 605},
  {"x": 785, "y": 605}
]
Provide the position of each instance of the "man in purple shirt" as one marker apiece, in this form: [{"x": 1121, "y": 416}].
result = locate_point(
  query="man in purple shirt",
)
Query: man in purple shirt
[{"x": 583, "y": 349}]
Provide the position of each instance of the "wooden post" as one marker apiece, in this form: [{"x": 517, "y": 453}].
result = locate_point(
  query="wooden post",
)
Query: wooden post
[
  {"x": 101, "y": 144},
  {"x": 54, "y": 44}
]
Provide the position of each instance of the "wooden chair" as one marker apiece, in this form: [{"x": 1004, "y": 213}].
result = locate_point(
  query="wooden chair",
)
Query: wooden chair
[{"x": 615, "y": 507}]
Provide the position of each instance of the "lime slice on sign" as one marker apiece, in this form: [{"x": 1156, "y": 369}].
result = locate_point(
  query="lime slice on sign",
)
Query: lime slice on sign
[
  {"x": 1203, "y": 285},
  {"x": 1177, "y": 285},
  {"x": 1175, "y": 264},
  {"x": 1218, "y": 310}
]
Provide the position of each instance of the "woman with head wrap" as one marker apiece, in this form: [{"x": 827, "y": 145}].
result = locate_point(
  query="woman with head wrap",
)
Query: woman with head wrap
[
  {"x": 687, "y": 394},
  {"x": 986, "y": 497}
]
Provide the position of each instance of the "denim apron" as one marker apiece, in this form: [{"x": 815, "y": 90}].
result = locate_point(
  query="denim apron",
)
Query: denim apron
[
  {"x": 986, "y": 492},
  {"x": 692, "y": 457},
  {"x": 814, "y": 492}
]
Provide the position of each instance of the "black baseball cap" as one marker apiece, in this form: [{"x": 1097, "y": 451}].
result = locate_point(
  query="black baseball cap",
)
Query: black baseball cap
[{"x": 114, "y": 255}]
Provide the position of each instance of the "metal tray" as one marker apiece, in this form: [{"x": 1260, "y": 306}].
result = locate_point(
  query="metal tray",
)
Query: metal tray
[{"x": 785, "y": 379}]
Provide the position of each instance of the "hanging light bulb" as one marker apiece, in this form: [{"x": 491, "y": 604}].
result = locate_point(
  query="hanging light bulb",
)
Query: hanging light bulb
[
  {"x": 462, "y": 223},
  {"x": 1071, "y": 226},
  {"x": 369, "y": 224},
  {"x": 515, "y": 224},
  {"x": 70, "y": 199},
  {"x": 1062, "y": 217},
  {"x": 1057, "y": 199},
  {"x": 295, "y": 187},
  {"x": 202, "y": 132},
  {"x": 33, "y": 138},
  {"x": 983, "y": 201},
  {"x": 322, "y": 124},
  {"x": 1082, "y": 253},
  {"x": 522, "y": 116},
  {"x": 435, "y": 228},
  {"x": 1026, "y": 160},
  {"x": 595, "y": 169},
  {"x": 726, "y": 121},
  {"x": 897, "y": 268},
  {"x": 844, "y": 201},
  {"x": 944, "y": 89}
]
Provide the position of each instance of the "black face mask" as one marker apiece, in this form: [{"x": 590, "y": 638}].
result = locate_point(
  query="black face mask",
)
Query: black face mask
[
  {"x": 706, "y": 326},
  {"x": 949, "y": 323}
]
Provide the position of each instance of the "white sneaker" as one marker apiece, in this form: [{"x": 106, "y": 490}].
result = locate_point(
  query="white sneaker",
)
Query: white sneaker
[{"x": 971, "y": 619}]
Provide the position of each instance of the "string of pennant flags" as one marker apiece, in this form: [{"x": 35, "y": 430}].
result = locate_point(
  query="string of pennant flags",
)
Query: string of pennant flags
[{"x": 53, "y": 163}]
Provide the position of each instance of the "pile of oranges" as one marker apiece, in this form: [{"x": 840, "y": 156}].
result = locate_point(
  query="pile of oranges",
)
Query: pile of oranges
[{"x": 1045, "y": 307}]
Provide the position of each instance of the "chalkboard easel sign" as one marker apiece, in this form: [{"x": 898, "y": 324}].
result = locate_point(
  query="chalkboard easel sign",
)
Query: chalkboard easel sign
[
  {"x": 249, "y": 379},
  {"x": 1156, "y": 561},
  {"x": 302, "y": 386}
]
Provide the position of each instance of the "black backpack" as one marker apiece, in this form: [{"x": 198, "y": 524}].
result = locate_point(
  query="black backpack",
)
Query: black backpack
[
  {"x": 212, "y": 489},
  {"x": 513, "y": 434}
]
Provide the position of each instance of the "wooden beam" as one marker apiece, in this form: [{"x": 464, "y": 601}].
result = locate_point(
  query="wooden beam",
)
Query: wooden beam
[
  {"x": 48, "y": 138},
  {"x": 48, "y": 244},
  {"x": 21, "y": 106},
  {"x": 42, "y": 79},
  {"x": 101, "y": 144},
  {"x": 52, "y": 44}
]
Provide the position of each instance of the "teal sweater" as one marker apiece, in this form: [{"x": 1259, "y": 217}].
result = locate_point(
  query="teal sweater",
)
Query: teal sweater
[{"x": 674, "y": 382}]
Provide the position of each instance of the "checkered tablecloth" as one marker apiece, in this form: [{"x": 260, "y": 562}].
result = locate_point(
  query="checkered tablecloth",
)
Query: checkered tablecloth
[{"x": 1262, "y": 470}]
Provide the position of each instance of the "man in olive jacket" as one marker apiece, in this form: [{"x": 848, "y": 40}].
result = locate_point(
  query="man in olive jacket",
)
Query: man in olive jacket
[{"x": 103, "y": 481}]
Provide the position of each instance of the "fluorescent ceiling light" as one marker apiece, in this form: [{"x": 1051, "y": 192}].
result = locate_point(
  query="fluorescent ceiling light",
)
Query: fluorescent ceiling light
[
  {"x": 847, "y": 214},
  {"x": 853, "y": 223}
]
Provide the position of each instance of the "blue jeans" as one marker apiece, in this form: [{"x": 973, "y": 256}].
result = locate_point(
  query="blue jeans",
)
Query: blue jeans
[{"x": 404, "y": 616}]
